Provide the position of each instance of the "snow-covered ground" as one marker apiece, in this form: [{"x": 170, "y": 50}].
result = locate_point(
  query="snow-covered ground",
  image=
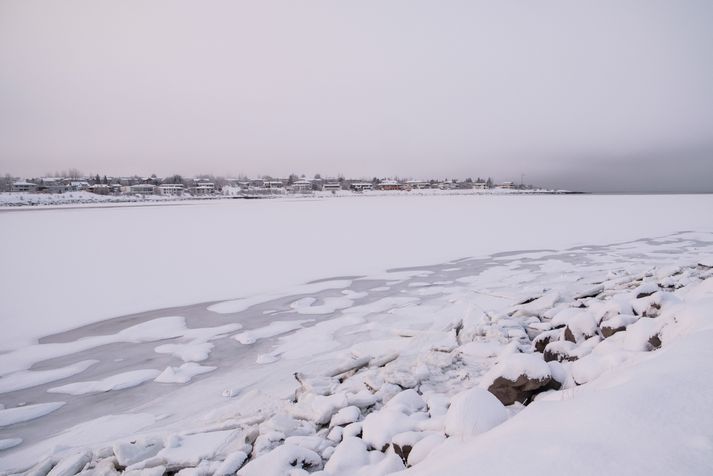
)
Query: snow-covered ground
[
  {"x": 24, "y": 199},
  {"x": 365, "y": 371}
]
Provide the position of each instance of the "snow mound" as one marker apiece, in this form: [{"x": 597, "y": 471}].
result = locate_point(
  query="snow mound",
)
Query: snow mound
[
  {"x": 281, "y": 461},
  {"x": 472, "y": 412}
]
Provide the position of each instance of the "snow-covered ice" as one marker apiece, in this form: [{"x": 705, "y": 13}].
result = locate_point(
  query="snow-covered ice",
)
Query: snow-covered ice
[
  {"x": 113, "y": 382},
  {"x": 11, "y": 416},
  {"x": 42, "y": 303},
  {"x": 31, "y": 378},
  {"x": 183, "y": 374}
]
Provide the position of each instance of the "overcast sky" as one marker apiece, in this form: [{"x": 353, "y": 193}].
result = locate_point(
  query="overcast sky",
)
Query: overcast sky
[{"x": 596, "y": 95}]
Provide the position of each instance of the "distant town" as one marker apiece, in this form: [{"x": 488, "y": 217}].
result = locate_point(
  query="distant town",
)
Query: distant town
[{"x": 207, "y": 185}]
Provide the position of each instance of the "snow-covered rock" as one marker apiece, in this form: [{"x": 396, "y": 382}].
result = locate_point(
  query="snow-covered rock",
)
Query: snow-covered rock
[
  {"x": 423, "y": 447},
  {"x": 345, "y": 416},
  {"x": 616, "y": 324},
  {"x": 131, "y": 452},
  {"x": 407, "y": 402},
  {"x": 318, "y": 408},
  {"x": 281, "y": 461},
  {"x": 349, "y": 455},
  {"x": 517, "y": 378},
  {"x": 472, "y": 412},
  {"x": 379, "y": 427},
  {"x": 231, "y": 463},
  {"x": 71, "y": 464}
]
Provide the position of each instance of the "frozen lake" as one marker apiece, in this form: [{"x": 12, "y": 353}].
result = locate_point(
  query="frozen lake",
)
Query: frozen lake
[
  {"x": 63, "y": 268},
  {"x": 158, "y": 319}
]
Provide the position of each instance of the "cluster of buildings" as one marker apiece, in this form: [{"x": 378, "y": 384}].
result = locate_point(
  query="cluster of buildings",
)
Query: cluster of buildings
[
  {"x": 304, "y": 185},
  {"x": 115, "y": 186},
  {"x": 177, "y": 186}
]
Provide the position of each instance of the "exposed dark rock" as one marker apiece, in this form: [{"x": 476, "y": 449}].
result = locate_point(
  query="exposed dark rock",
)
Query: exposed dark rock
[
  {"x": 520, "y": 390},
  {"x": 569, "y": 335},
  {"x": 608, "y": 331},
  {"x": 655, "y": 341},
  {"x": 542, "y": 340},
  {"x": 653, "y": 310},
  {"x": 559, "y": 356},
  {"x": 553, "y": 385},
  {"x": 402, "y": 452}
]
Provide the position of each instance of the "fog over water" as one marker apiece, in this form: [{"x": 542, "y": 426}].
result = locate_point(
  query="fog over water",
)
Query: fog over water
[{"x": 600, "y": 96}]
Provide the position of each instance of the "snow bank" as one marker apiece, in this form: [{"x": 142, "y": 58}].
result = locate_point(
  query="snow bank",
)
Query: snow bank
[
  {"x": 647, "y": 417},
  {"x": 472, "y": 412}
]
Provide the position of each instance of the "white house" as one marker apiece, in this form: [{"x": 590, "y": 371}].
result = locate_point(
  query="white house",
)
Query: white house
[
  {"x": 331, "y": 187},
  {"x": 203, "y": 188},
  {"x": 446, "y": 185},
  {"x": 480, "y": 185},
  {"x": 171, "y": 189},
  {"x": 143, "y": 189},
  {"x": 79, "y": 185},
  {"x": 23, "y": 186},
  {"x": 302, "y": 186},
  {"x": 418, "y": 184}
]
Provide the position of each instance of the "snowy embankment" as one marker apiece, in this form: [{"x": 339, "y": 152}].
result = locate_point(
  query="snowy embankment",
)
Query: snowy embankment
[
  {"x": 24, "y": 199},
  {"x": 590, "y": 360},
  {"x": 68, "y": 268}
]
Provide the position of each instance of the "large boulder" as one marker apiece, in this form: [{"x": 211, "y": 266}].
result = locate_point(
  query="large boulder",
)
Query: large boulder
[
  {"x": 349, "y": 454},
  {"x": 518, "y": 378},
  {"x": 646, "y": 289},
  {"x": 282, "y": 460},
  {"x": 616, "y": 324},
  {"x": 644, "y": 335},
  {"x": 560, "y": 351},
  {"x": 579, "y": 324},
  {"x": 380, "y": 427},
  {"x": 544, "y": 338},
  {"x": 423, "y": 448}
]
